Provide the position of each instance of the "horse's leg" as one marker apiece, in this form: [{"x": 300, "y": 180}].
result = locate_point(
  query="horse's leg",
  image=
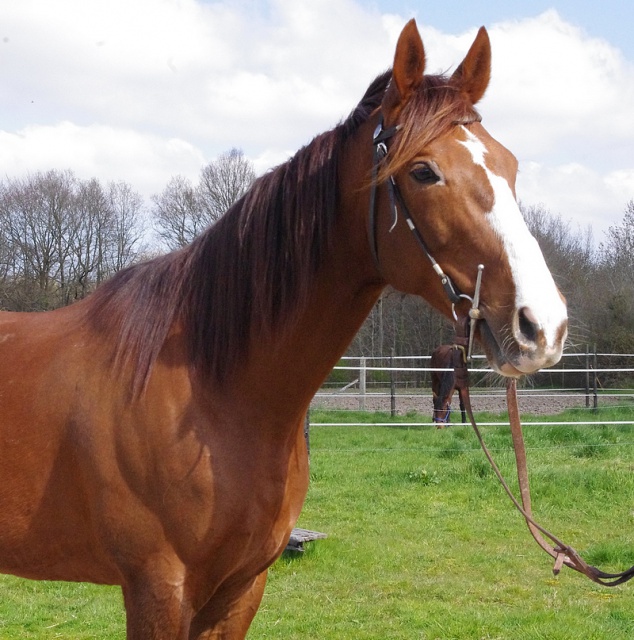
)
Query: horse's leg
[
  {"x": 156, "y": 609},
  {"x": 218, "y": 620}
]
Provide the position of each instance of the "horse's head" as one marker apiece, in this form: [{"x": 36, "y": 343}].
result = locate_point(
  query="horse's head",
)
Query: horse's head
[{"x": 458, "y": 184}]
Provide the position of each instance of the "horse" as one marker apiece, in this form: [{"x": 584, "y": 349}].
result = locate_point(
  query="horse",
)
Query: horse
[
  {"x": 443, "y": 385},
  {"x": 151, "y": 434}
]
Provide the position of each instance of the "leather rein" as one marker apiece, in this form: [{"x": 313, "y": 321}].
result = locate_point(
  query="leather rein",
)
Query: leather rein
[{"x": 562, "y": 553}]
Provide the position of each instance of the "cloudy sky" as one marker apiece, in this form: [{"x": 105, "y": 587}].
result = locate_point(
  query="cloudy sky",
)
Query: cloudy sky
[{"x": 142, "y": 90}]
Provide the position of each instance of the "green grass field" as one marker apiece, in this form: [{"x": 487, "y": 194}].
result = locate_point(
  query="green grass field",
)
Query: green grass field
[{"x": 422, "y": 542}]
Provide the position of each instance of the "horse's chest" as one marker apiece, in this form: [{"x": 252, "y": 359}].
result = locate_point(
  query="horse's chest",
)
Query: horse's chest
[{"x": 219, "y": 492}]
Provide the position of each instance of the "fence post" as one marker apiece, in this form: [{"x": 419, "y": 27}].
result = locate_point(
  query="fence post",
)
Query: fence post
[
  {"x": 362, "y": 383},
  {"x": 392, "y": 385},
  {"x": 596, "y": 397},
  {"x": 307, "y": 433},
  {"x": 587, "y": 376}
]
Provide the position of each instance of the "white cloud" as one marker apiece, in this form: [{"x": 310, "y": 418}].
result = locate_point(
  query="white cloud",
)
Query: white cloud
[
  {"x": 561, "y": 101},
  {"x": 557, "y": 188},
  {"x": 555, "y": 89},
  {"x": 142, "y": 90},
  {"x": 215, "y": 74},
  {"x": 99, "y": 151}
]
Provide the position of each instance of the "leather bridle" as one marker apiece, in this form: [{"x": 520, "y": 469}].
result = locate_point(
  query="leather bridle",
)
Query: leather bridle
[
  {"x": 379, "y": 140},
  {"x": 562, "y": 553}
]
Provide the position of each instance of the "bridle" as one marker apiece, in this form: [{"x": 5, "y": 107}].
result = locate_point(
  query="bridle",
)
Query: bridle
[
  {"x": 438, "y": 419},
  {"x": 379, "y": 143},
  {"x": 562, "y": 553},
  {"x": 379, "y": 140}
]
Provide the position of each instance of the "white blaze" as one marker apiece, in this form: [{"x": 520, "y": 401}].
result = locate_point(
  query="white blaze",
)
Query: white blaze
[{"x": 534, "y": 284}]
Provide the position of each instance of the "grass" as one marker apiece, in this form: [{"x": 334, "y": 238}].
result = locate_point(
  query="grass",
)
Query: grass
[
  {"x": 47, "y": 610},
  {"x": 422, "y": 543}
]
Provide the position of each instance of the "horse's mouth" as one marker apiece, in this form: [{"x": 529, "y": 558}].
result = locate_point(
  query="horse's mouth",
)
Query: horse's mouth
[{"x": 496, "y": 356}]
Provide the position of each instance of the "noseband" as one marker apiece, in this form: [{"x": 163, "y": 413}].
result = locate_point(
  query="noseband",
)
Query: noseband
[
  {"x": 379, "y": 140},
  {"x": 443, "y": 419}
]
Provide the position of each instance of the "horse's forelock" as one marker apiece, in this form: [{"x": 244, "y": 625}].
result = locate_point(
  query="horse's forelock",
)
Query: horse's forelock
[{"x": 436, "y": 107}]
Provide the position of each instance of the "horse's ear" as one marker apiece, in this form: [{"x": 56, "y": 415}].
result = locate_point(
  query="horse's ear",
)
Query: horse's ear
[
  {"x": 407, "y": 72},
  {"x": 474, "y": 73}
]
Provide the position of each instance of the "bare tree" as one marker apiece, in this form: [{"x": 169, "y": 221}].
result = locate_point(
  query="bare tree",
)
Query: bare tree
[
  {"x": 571, "y": 258},
  {"x": 35, "y": 225},
  {"x": 613, "y": 291},
  {"x": 182, "y": 210},
  {"x": 127, "y": 228},
  {"x": 618, "y": 250},
  {"x": 177, "y": 213},
  {"x": 60, "y": 236},
  {"x": 223, "y": 182}
]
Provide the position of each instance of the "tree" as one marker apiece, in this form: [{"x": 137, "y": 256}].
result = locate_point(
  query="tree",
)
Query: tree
[
  {"x": 177, "y": 213},
  {"x": 60, "y": 236},
  {"x": 618, "y": 250},
  {"x": 571, "y": 258},
  {"x": 614, "y": 291},
  {"x": 182, "y": 210},
  {"x": 223, "y": 182},
  {"x": 126, "y": 231}
]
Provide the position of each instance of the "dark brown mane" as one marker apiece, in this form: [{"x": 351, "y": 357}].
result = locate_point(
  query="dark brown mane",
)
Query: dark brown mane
[
  {"x": 252, "y": 271},
  {"x": 249, "y": 272}
]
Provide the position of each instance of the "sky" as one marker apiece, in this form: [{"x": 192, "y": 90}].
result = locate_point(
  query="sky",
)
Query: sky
[{"x": 143, "y": 90}]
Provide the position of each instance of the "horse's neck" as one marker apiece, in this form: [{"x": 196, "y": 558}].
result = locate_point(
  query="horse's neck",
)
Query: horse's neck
[{"x": 288, "y": 369}]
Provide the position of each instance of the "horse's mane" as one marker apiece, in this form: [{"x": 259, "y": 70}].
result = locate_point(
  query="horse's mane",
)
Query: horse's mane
[{"x": 253, "y": 269}]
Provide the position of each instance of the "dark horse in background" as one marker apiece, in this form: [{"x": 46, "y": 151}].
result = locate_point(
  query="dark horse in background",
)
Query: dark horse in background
[
  {"x": 443, "y": 385},
  {"x": 151, "y": 435}
]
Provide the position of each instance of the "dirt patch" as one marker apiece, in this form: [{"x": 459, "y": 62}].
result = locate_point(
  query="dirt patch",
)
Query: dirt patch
[{"x": 493, "y": 400}]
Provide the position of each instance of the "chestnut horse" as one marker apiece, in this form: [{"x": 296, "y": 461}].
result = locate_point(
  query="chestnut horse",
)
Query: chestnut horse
[
  {"x": 443, "y": 385},
  {"x": 151, "y": 435}
]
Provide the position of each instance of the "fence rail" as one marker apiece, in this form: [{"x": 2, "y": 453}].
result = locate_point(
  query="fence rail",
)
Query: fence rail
[{"x": 402, "y": 384}]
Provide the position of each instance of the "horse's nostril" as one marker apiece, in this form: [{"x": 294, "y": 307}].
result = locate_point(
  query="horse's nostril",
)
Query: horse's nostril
[{"x": 528, "y": 325}]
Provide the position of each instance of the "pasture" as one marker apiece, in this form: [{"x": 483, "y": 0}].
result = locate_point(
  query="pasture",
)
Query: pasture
[{"x": 422, "y": 542}]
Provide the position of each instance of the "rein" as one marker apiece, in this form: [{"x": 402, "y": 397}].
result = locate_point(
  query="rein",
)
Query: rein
[{"x": 562, "y": 553}]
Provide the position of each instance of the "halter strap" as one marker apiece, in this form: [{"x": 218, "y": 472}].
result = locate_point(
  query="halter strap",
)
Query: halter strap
[
  {"x": 379, "y": 139},
  {"x": 442, "y": 419}
]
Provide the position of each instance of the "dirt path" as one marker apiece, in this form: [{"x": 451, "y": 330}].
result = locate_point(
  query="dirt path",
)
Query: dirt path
[{"x": 494, "y": 400}]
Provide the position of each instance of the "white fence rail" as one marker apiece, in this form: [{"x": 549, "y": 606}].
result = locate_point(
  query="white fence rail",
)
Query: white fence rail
[{"x": 403, "y": 386}]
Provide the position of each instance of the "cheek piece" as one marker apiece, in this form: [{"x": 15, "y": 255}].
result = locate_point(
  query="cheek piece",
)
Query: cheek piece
[{"x": 396, "y": 200}]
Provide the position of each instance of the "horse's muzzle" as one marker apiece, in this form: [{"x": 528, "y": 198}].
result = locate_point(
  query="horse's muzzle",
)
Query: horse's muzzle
[{"x": 525, "y": 345}]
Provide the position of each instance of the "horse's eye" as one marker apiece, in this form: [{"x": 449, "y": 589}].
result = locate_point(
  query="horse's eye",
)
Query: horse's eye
[{"x": 424, "y": 174}]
